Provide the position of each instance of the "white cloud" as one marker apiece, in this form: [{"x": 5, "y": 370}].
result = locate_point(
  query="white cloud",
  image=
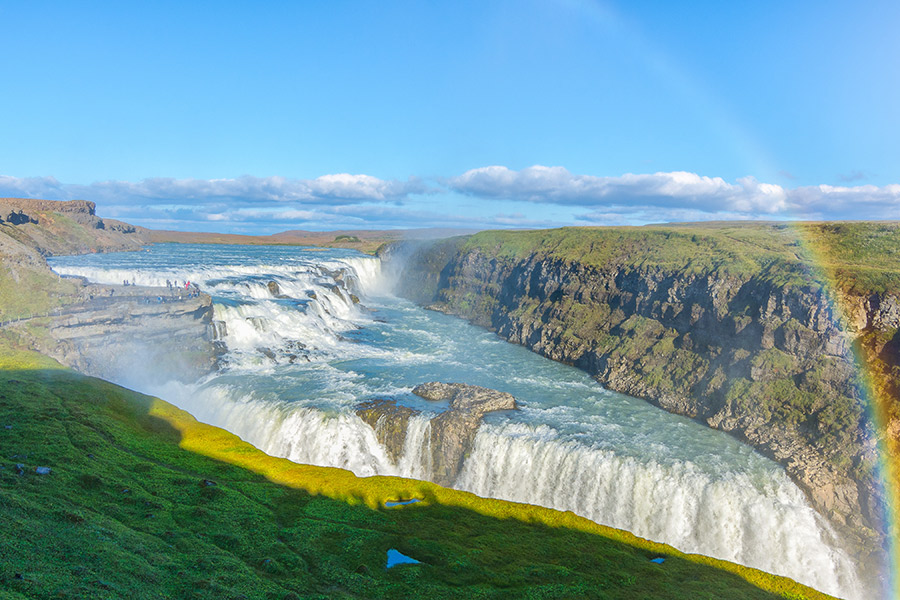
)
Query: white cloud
[
  {"x": 847, "y": 202},
  {"x": 342, "y": 188},
  {"x": 537, "y": 196},
  {"x": 557, "y": 185},
  {"x": 664, "y": 196}
]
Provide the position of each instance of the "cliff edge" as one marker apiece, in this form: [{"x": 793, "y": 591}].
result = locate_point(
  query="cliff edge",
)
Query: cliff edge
[{"x": 734, "y": 325}]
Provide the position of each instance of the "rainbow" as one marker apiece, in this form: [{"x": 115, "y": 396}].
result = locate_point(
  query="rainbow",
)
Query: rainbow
[
  {"x": 873, "y": 387},
  {"x": 875, "y": 395}
]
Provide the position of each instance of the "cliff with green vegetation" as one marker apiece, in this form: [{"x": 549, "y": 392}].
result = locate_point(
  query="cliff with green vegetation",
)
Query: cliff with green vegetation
[
  {"x": 735, "y": 325},
  {"x": 33, "y": 229},
  {"x": 106, "y": 493}
]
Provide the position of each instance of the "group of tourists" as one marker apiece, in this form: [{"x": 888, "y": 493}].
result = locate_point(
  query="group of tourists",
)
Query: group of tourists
[{"x": 187, "y": 289}]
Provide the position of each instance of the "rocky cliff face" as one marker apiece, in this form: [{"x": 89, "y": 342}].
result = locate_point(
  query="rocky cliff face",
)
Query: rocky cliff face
[
  {"x": 109, "y": 332},
  {"x": 123, "y": 334},
  {"x": 769, "y": 363},
  {"x": 72, "y": 227},
  {"x": 451, "y": 432}
]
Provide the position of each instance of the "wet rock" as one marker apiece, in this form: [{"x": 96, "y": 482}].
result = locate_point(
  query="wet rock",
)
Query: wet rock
[
  {"x": 452, "y": 431},
  {"x": 390, "y": 423},
  {"x": 337, "y": 274},
  {"x": 463, "y": 397},
  {"x": 273, "y": 288}
]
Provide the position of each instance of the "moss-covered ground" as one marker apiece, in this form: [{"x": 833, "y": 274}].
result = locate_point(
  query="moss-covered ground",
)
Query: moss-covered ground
[
  {"x": 859, "y": 257},
  {"x": 145, "y": 502}
]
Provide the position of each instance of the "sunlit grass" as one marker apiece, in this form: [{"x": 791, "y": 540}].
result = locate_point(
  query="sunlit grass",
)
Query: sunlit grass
[{"x": 146, "y": 502}]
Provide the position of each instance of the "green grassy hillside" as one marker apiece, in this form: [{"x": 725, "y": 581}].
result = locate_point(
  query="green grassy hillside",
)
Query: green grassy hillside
[{"x": 145, "y": 502}]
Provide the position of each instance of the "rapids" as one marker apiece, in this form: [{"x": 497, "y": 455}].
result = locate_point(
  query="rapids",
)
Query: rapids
[{"x": 300, "y": 360}]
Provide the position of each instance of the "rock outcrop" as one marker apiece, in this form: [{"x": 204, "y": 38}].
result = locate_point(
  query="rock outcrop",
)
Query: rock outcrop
[
  {"x": 390, "y": 422},
  {"x": 451, "y": 432},
  {"x": 123, "y": 334},
  {"x": 71, "y": 227},
  {"x": 766, "y": 360},
  {"x": 109, "y": 332}
]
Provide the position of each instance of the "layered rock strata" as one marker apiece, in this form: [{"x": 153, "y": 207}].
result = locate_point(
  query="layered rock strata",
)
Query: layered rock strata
[
  {"x": 133, "y": 332},
  {"x": 769, "y": 363}
]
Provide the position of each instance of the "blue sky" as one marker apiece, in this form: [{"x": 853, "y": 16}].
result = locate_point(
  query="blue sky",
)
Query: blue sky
[{"x": 238, "y": 117}]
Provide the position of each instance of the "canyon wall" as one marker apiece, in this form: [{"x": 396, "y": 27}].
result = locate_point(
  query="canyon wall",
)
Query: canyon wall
[{"x": 749, "y": 343}]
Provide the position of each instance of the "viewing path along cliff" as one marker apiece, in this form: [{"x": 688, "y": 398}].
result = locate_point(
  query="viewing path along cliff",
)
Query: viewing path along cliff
[
  {"x": 732, "y": 325},
  {"x": 98, "y": 329}
]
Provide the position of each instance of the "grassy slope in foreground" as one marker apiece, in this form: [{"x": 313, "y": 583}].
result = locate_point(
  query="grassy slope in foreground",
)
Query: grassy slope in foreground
[{"x": 130, "y": 510}]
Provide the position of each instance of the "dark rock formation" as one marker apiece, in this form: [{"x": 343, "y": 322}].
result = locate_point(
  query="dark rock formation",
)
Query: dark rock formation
[
  {"x": 452, "y": 431},
  {"x": 390, "y": 422},
  {"x": 14, "y": 217},
  {"x": 766, "y": 361}
]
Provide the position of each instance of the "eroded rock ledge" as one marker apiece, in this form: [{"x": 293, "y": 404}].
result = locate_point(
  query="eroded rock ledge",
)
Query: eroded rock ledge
[
  {"x": 116, "y": 331},
  {"x": 451, "y": 432}
]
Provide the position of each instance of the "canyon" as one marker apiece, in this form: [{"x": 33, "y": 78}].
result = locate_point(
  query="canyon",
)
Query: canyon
[{"x": 763, "y": 351}]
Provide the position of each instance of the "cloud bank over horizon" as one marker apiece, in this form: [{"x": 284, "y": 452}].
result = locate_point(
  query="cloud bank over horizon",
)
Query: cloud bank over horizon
[{"x": 485, "y": 197}]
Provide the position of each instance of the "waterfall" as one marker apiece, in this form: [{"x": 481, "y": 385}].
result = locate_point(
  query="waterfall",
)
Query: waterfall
[
  {"x": 727, "y": 517},
  {"x": 310, "y": 335}
]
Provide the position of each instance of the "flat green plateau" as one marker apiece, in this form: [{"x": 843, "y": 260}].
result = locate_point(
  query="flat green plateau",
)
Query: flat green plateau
[
  {"x": 145, "y": 502},
  {"x": 857, "y": 257}
]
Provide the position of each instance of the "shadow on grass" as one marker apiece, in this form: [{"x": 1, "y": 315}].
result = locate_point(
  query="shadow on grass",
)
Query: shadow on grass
[{"x": 144, "y": 502}]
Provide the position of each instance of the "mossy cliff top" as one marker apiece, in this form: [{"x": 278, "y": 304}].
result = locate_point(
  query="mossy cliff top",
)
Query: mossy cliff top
[
  {"x": 142, "y": 501},
  {"x": 861, "y": 257}
]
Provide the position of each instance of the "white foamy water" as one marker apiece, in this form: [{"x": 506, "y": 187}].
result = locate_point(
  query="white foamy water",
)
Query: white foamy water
[{"x": 300, "y": 362}]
